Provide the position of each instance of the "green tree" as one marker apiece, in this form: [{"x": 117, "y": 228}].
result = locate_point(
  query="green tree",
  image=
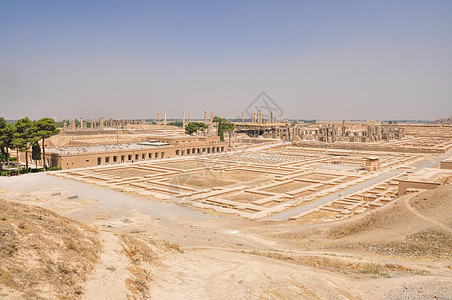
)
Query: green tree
[
  {"x": 193, "y": 127},
  {"x": 229, "y": 128},
  {"x": 45, "y": 129},
  {"x": 36, "y": 153},
  {"x": 224, "y": 125},
  {"x": 25, "y": 136},
  {"x": 176, "y": 123},
  {"x": 6, "y": 138},
  {"x": 219, "y": 122}
]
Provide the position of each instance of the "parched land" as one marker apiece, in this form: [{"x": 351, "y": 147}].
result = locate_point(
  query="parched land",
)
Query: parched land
[
  {"x": 143, "y": 248},
  {"x": 43, "y": 254},
  {"x": 282, "y": 223}
]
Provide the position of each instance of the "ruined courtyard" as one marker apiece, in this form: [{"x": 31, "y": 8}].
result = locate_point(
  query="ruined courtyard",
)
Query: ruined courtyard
[{"x": 258, "y": 184}]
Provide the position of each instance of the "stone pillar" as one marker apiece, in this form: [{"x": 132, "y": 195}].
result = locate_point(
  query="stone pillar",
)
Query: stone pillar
[
  {"x": 101, "y": 123},
  {"x": 211, "y": 123},
  {"x": 164, "y": 119},
  {"x": 183, "y": 119},
  {"x": 271, "y": 117},
  {"x": 81, "y": 123},
  {"x": 243, "y": 117},
  {"x": 158, "y": 117}
]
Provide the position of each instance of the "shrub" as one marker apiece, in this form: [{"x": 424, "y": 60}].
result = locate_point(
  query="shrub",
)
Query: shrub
[{"x": 54, "y": 169}]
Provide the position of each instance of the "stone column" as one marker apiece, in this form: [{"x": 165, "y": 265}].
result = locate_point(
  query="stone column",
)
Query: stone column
[
  {"x": 183, "y": 119},
  {"x": 101, "y": 123},
  {"x": 205, "y": 117},
  {"x": 211, "y": 122},
  {"x": 164, "y": 119},
  {"x": 158, "y": 117},
  {"x": 81, "y": 123},
  {"x": 243, "y": 117}
]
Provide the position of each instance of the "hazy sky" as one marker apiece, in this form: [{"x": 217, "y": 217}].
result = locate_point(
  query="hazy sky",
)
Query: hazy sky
[{"x": 316, "y": 59}]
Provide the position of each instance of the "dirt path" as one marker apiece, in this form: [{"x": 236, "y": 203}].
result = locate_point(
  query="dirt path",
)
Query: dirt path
[
  {"x": 415, "y": 212},
  {"x": 216, "y": 274},
  {"x": 108, "y": 278}
]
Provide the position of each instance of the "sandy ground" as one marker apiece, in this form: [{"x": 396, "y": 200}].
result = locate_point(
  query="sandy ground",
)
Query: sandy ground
[{"x": 224, "y": 257}]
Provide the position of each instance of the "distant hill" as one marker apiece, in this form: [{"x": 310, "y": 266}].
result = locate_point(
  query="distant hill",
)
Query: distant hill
[{"x": 443, "y": 121}]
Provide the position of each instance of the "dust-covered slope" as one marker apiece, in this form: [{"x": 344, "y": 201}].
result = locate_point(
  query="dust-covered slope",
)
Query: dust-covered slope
[
  {"x": 413, "y": 226},
  {"x": 43, "y": 255}
]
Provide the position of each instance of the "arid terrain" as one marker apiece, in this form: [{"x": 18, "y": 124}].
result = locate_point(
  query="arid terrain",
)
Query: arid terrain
[{"x": 65, "y": 239}]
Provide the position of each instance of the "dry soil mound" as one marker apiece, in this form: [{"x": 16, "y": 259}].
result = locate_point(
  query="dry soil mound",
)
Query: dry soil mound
[
  {"x": 413, "y": 226},
  {"x": 42, "y": 254}
]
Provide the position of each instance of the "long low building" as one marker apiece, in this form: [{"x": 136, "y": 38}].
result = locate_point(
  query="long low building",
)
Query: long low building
[{"x": 168, "y": 147}]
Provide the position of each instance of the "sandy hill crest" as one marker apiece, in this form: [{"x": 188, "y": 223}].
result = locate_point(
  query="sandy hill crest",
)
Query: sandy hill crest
[
  {"x": 43, "y": 254},
  {"x": 418, "y": 226}
]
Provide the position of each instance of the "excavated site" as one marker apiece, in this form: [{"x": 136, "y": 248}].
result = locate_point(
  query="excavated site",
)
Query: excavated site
[{"x": 265, "y": 219}]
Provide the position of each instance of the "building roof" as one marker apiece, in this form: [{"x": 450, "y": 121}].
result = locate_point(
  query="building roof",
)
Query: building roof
[{"x": 103, "y": 148}]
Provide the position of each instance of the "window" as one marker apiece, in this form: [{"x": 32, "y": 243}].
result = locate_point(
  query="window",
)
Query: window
[
  {"x": 123, "y": 158},
  {"x": 115, "y": 159},
  {"x": 150, "y": 155},
  {"x": 99, "y": 161},
  {"x": 137, "y": 157},
  {"x": 143, "y": 156},
  {"x": 107, "y": 160},
  {"x": 129, "y": 157}
]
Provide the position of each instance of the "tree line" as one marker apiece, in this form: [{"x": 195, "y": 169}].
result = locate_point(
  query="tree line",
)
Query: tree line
[
  {"x": 222, "y": 126},
  {"x": 23, "y": 136}
]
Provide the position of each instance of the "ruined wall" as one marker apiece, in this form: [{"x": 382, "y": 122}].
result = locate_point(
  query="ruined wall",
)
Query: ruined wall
[
  {"x": 446, "y": 164},
  {"x": 411, "y": 184}
]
